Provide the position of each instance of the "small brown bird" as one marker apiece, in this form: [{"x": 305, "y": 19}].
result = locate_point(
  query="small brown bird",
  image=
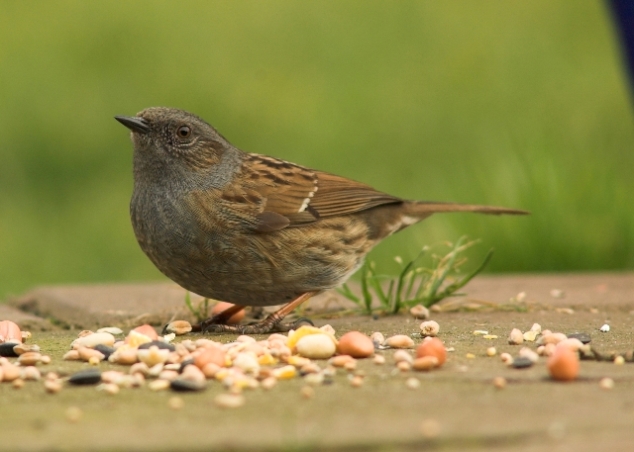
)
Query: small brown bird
[{"x": 251, "y": 229}]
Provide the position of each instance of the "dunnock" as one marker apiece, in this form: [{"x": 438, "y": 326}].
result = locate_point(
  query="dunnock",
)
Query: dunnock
[{"x": 251, "y": 229}]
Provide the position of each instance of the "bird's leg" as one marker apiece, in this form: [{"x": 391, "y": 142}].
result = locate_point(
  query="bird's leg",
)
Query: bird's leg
[
  {"x": 224, "y": 316},
  {"x": 270, "y": 324},
  {"x": 218, "y": 319}
]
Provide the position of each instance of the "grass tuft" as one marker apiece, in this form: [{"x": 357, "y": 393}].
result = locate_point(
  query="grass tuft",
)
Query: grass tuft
[
  {"x": 416, "y": 283},
  {"x": 200, "y": 311}
]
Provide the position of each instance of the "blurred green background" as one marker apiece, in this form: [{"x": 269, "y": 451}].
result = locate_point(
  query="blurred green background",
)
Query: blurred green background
[{"x": 521, "y": 104}]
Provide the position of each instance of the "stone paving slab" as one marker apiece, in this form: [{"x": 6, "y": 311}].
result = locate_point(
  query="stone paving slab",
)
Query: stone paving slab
[
  {"x": 91, "y": 306},
  {"x": 532, "y": 413},
  {"x": 583, "y": 290},
  {"x": 27, "y": 321}
]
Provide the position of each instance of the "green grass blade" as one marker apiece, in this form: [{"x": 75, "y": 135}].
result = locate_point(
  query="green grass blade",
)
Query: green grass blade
[
  {"x": 450, "y": 289},
  {"x": 367, "y": 296},
  {"x": 443, "y": 270},
  {"x": 347, "y": 292},
  {"x": 376, "y": 285},
  {"x": 188, "y": 303}
]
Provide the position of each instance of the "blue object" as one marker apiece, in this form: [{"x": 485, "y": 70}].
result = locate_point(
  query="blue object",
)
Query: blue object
[{"x": 623, "y": 12}]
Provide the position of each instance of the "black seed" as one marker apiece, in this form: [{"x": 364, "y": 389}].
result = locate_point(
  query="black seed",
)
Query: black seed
[
  {"x": 86, "y": 377},
  {"x": 6, "y": 349},
  {"x": 183, "y": 385},
  {"x": 187, "y": 362},
  {"x": 159, "y": 344},
  {"x": 521, "y": 362},
  {"x": 105, "y": 350},
  {"x": 583, "y": 337}
]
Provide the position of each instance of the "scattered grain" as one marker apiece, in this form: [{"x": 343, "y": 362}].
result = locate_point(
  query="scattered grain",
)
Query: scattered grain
[
  {"x": 93, "y": 339},
  {"x": 551, "y": 338},
  {"x": 432, "y": 347},
  {"x": 176, "y": 403},
  {"x": 316, "y": 379},
  {"x": 159, "y": 385},
  {"x": 285, "y": 373},
  {"x": 403, "y": 355},
  {"x": 356, "y": 344},
  {"x": 379, "y": 359},
  {"x": 110, "y": 329},
  {"x": 412, "y": 383},
  {"x": 499, "y": 382},
  {"x": 10, "y": 332},
  {"x": 340, "y": 360},
  {"x": 20, "y": 349},
  {"x": 74, "y": 414},
  {"x": 573, "y": 344},
  {"x": 108, "y": 388},
  {"x": 53, "y": 386},
  {"x": 429, "y": 328},
  {"x": 229, "y": 400},
  {"x": 86, "y": 353},
  {"x": 515, "y": 337},
  {"x": 619, "y": 360},
  {"x": 528, "y": 353},
  {"x": 419, "y": 312},
  {"x": 268, "y": 383},
  {"x": 153, "y": 355},
  {"x": 430, "y": 428},
  {"x": 178, "y": 327},
  {"x": 506, "y": 358},
  {"x": 328, "y": 329},
  {"x": 425, "y": 363},
  {"x": 316, "y": 346},
  {"x": 307, "y": 392},
  {"x": 29, "y": 358},
  {"x": 356, "y": 381},
  {"x": 378, "y": 338},
  {"x": 606, "y": 383},
  {"x": 399, "y": 341},
  {"x": 563, "y": 365},
  {"x": 530, "y": 336}
]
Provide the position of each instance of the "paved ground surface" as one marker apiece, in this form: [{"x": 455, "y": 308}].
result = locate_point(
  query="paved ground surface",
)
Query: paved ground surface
[{"x": 458, "y": 401}]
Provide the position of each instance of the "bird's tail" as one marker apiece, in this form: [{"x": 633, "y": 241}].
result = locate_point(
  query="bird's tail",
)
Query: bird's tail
[
  {"x": 399, "y": 216},
  {"x": 426, "y": 208},
  {"x": 416, "y": 211}
]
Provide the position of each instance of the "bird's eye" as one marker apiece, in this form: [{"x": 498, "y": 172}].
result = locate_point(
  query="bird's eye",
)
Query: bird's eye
[{"x": 183, "y": 131}]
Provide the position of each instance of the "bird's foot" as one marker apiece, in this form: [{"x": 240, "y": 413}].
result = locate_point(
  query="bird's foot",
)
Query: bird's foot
[
  {"x": 266, "y": 326},
  {"x": 271, "y": 324}
]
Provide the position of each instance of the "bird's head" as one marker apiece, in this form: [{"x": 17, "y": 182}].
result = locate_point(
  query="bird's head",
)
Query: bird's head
[{"x": 171, "y": 138}]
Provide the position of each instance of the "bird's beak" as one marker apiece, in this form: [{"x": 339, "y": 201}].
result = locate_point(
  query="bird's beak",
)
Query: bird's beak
[{"x": 134, "y": 123}]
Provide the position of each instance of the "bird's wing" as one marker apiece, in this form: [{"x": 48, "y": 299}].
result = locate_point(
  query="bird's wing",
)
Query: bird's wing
[
  {"x": 286, "y": 194},
  {"x": 340, "y": 196}
]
